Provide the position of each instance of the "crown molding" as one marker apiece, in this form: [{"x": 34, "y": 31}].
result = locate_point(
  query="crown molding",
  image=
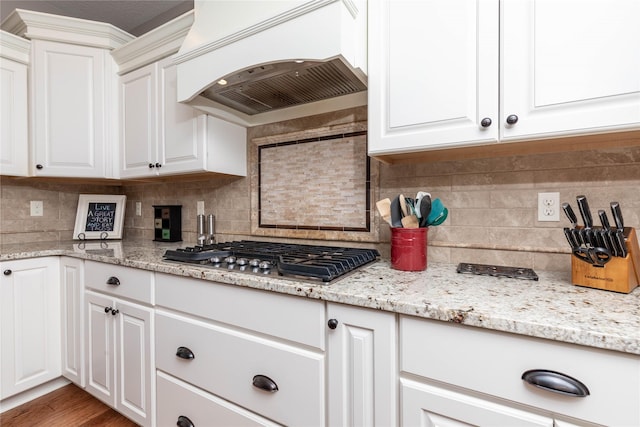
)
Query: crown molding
[{"x": 14, "y": 47}]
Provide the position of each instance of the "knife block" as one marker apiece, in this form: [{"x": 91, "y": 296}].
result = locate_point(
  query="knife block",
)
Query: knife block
[{"x": 618, "y": 275}]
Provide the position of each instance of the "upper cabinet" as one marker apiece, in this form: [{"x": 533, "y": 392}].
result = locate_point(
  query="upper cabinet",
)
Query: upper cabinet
[
  {"x": 14, "y": 133},
  {"x": 448, "y": 75},
  {"x": 72, "y": 94},
  {"x": 159, "y": 135}
]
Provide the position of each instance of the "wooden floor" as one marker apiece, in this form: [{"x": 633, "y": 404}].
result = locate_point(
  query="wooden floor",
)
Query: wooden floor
[{"x": 68, "y": 406}]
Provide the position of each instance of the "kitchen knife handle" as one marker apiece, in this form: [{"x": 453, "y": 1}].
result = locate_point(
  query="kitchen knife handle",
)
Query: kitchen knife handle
[
  {"x": 604, "y": 220},
  {"x": 617, "y": 215},
  {"x": 568, "y": 210},
  {"x": 570, "y": 238},
  {"x": 622, "y": 245},
  {"x": 583, "y": 205}
]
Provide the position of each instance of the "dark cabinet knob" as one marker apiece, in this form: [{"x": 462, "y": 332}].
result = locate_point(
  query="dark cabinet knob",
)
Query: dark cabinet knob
[
  {"x": 184, "y": 422},
  {"x": 555, "y": 382},
  {"x": 113, "y": 281},
  {"x": 265, "y": 383},
  {"x": 7, "y": 272},
  {"x": 332, "y": 323},
  {"x": 38, "y": 166},
  {"x": 107, "y": 309},
  {"x": 158, "y": 165},
  {"x": 114, "y": 311},
  {"x": 185, "y": 353},
  {"x": 512, "y": 119},
  {"x": 151, "y": 166},
  {"x": 486, "y": 122}
]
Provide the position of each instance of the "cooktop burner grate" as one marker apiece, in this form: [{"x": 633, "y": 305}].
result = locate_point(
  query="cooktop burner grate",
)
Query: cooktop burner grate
[
  {"x": 498, "y": 271},
  {"x": 324, "y": 263}
]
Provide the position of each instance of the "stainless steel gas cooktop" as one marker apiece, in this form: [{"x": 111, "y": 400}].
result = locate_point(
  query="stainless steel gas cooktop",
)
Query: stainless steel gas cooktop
[{"x": 311, "y": 262}]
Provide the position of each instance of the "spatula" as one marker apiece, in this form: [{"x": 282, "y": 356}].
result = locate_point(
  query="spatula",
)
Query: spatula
[{"x": 384, "y": 208}]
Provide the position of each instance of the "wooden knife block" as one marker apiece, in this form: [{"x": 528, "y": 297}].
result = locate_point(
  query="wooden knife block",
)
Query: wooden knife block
[{"x": 618, "y": 275}]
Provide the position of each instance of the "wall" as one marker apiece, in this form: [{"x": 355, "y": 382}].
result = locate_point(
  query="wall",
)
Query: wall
[{"x": 492, "y": 202}]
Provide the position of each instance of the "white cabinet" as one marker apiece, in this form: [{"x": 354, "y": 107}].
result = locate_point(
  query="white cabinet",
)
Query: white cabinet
[
  {"x": 456, "y": 370},
  {"x": 73, "y": 88},
  {"x": 14, "y": 135},
  {"x": 433, "y": 74},
  {"x": 447, "y": 74},
  {"x": 30, "y": 324},
  {"x": 241, "y": 356},
  {"x": 72, "y": 320},
  {"x": 570, "y": 70},
  {"x": 362, "y": 367},
  {"x": 160, "y": 136},
  {"x": 119, "y": 344}
]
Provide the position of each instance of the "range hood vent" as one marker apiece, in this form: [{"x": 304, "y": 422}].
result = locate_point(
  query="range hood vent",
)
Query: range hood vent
[
  {"x": 283, "y": 60},
  {"x": 287, "y": 84}
]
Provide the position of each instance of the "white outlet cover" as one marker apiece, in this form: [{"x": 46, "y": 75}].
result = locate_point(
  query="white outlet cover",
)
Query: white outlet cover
[
  {"x": 37, "y": 208},
  {"x": 549, "y": 207}
]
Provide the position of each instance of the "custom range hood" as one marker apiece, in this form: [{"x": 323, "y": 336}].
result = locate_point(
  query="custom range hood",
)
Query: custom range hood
[{"x": 262, "y": 61}]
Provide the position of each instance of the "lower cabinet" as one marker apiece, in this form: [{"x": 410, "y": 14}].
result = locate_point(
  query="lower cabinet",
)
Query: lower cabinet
[
  {"x": 119, "y": 358},
  {"x": 362, "y": 367},
  {"x": 477, "y": 377},
  {"x": 29, "y": 324}
]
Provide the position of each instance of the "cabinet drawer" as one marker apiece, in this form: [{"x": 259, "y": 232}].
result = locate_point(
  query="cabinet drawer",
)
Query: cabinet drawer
[
  {"x": 134, "y": 284},
  {"x": 225, "y": 363},
  {"x": 176, "y": 398},
  {"x": 265, "y": 312},
  {"x": 493, "y": 362}
]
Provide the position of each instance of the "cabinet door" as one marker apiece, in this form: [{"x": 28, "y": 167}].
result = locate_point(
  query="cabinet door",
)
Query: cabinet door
[
  {"x": 100, "y": 347},
  {"x": 72, "y": 296},
  {"x": 426, "y": 405},
  {"x": 433, "y": 74},
  {"x": 134, "y": 361},
  {"x": 138, "y": 122},
  {"x": 568, "y": 69},
  {"x": 14, "y": 141},
  {"x": 30, "y": 324},
  {"x": 361, "y": 352},
  {"x": 182, "y": 136},
  {"x": 70, "y": 91}
]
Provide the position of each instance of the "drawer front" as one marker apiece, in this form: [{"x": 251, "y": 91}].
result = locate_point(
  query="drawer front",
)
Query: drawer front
[
  {"x": 493, "y": 362},
  {"x": 225, "y": 363},
  {"x": 120, "y": 281},
  {"x": 265, "y": 312},
  {"x": 177, "y": 399}
]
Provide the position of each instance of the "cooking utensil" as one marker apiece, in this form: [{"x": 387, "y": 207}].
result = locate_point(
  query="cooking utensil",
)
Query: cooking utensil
[
  {"x": 396, "y": 212},
  {"x": 620, "y": 242},
  {"x": 568, "y": 210},
  {"x": 585, "y": 212},
  {"x": 604, "y": 220},
  {"x": 570, "y": 238},
  {"x": 410, "y": 221},
  {"x": 617, "y": 215},
  {"x": 425, "y": 209},
  {"x": 403, "y": 205},
  {"x": 597, "y": 257},
  {"x": 384, "y": 208},
  {"x": 437, "y": 210}
]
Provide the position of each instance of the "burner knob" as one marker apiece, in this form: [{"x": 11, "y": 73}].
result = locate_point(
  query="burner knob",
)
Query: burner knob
[
  {"x": 264, "y": 265},
  {"x": 254, "y": 262},
  {"x": 215, "y": 259},
  {"x": 242, "y": 261},
  {"x": 230, "y": 260}
]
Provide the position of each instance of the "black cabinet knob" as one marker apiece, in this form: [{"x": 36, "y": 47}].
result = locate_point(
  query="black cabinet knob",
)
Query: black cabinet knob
[
  {"x": 151, "y": 166},
  {"x": 38, "y": 166},
  {"x": 7, "y": 272},
  {"x": 184, "y": 422},
  {"x": 113, "y": 281},
  {"x": 486, "y": 122},
  {"x": 158, "y": 165},
  {"x": 185, "y": 353},
  {"x": 114, "y": 311},
  {"x": 332, "y": 323},
  {"x": 107, "y": 309},
  {"x": 265, "y": 383},
  {"x": 512, "y": 119}
]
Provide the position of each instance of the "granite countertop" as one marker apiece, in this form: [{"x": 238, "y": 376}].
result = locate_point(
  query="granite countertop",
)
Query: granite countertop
[{"x": 550, "y": 308}]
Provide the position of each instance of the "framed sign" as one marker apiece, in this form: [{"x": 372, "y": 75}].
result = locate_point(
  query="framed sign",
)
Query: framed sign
[{"x": 99, "y": 217}]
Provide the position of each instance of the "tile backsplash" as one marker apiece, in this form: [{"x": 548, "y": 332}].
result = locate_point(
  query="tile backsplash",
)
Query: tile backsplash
[{"x": 492, "y": 201}]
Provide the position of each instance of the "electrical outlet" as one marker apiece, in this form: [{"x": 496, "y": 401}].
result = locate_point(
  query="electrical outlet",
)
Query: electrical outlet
[
  {"x": 548, "y": 206},
  {"x": 37, "y": 208},
  {"x": 200, "y": 207},
  {"x": 138, "y": 208}
]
